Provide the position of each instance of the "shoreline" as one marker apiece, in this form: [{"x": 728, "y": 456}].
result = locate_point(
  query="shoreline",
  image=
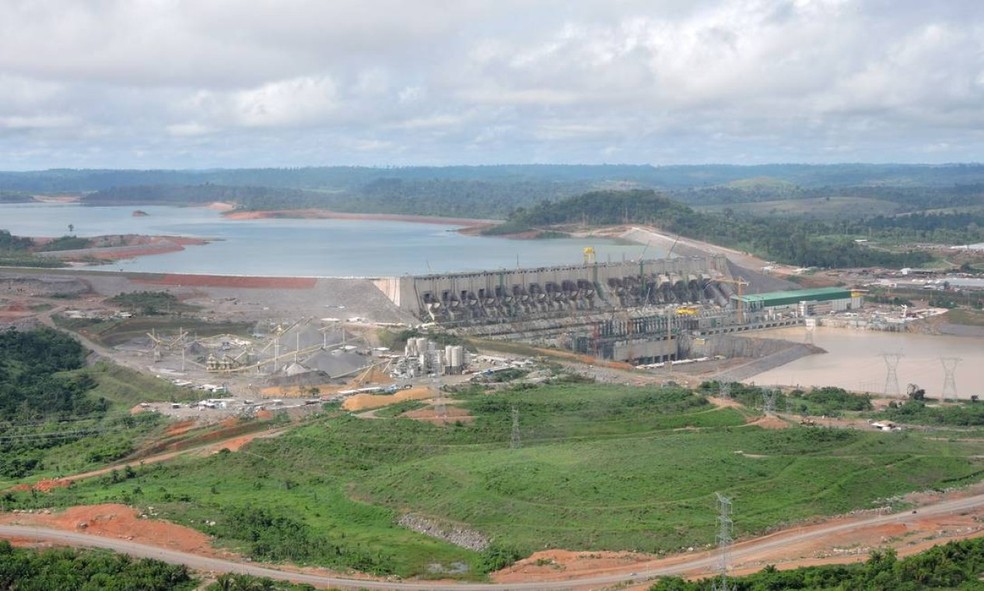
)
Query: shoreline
[{"x": 326, "y": 214}]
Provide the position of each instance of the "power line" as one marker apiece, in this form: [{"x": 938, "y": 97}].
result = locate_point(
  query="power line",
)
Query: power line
[
  {"x": 724, "y": 539},
  {"x": 949, "y": 379},
  {"x": 892, "y": 375},
  {"x": 514, "y": 442},
  {"x": 769, "y": 400}
]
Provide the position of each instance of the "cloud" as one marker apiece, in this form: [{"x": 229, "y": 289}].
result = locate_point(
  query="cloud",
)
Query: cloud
[{"x": 170, "y": 82}]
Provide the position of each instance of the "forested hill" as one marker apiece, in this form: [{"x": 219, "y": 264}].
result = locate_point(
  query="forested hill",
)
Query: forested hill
[
  {"x": 667, "y": 178},
  {"x": 192, "y": 195},
  {"x": 802, "y": 242},
  {"x": 599, "y": 208},
  {"x": 447, "y": 198},
  {"x": 843, "y": 191}
]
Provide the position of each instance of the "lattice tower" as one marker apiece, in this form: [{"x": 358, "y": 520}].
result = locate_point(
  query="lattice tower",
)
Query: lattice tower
[
  {"x": 949, "y": 377},
  {"x": 892, "y": 375},
  {"x": 769, "y": 400},
  {"x": 515, "y": 443},
  {"x": 724, "y": 539},
  {"x": 440, "y": 406}
]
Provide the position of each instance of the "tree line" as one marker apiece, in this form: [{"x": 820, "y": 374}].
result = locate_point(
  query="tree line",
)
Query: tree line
[
  {"x": 802, "y": 242},
  {"x": 952, "y": 566}
]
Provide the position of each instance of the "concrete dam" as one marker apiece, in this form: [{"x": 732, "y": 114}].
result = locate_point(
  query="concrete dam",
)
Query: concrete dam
[
  {"x": 627, "y": 311},
  {"x": 547, "y": 292}
]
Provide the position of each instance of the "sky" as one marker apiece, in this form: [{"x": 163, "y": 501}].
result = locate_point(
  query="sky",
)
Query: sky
[{"x": 284, "y": 83}]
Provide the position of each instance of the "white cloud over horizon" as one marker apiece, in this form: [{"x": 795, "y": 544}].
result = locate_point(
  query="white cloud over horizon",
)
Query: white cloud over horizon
[{"x": 226, "y": 83}]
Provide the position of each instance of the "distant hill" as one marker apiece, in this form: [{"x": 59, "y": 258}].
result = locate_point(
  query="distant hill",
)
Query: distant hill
[
  {"x": 496, "y": 191},
  {"x": 806, "y": 176}
]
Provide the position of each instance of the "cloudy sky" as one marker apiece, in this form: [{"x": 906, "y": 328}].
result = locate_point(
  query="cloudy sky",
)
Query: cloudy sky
[{"x": 243, "y": 83}]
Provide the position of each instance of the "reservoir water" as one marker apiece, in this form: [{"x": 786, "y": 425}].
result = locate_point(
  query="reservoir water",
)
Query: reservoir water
[
  {"x": 855, "y": 361},
  {"x": 305, "y": 248}
]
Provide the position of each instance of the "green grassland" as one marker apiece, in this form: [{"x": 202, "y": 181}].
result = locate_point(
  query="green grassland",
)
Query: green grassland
[
  {"x": 599, "y": 467},
  {"x": 833, "y": 207},
  {"x": 965, "y": 317},
  {"x": 115, "y": 331},
  {"x": 125, "y": 387}
]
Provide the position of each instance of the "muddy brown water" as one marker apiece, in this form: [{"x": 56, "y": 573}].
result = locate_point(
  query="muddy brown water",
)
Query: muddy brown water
[{"x": 855, "y": 360}]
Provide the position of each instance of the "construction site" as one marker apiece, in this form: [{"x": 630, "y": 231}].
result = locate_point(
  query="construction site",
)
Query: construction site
[
  {"x": 318, "y": 338},
  {"x": 641, "y": 312}
]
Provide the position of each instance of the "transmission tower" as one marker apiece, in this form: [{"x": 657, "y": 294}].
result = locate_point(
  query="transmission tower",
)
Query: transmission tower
[
  {"x": 515, "y": 429},
  {"x": 892, "y": 376},
  {"x": 724, "y": 390},
  {"x": 724, "y": 540},
  {"x": 949, "y": 379},
  {"x": 440, "y": 407},
  {"x": 769, "y": 400}
]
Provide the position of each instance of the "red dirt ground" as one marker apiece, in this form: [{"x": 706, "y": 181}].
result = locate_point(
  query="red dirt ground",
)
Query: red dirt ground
[
  {"x": 119, "y": 521},
  {"x": 367, "y": 401},
  {"x": 770, "y": 422},
  {"x": 233, "y": 282},
  {"x": 453, "y": 414},
  {"x": 181, "y": 427}
]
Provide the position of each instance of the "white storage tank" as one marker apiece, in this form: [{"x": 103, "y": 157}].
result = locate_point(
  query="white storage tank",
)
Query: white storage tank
[{"x": 457, "y": 356}]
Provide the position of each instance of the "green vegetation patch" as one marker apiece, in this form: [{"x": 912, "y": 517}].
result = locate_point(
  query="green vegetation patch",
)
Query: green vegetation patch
[
  {"x": 150, "y": 303},
  {"x": 53, "y": 419},
  {"x": 965, "y": 317},
  {"x": 125, "y": 388},
  {"x": 598, "y": 467},
  {"x": 395, "y": 410},
  {"x": 66, "y": 243},
  {"x": 949, "y": 567},
  {"x": 88, "y": 570},
  {"x": 917, "y": 412},
  {"x": 116, "y": 331}
]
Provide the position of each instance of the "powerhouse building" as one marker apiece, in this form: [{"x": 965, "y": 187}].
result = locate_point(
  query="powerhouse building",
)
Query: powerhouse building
[{"x": 804, "y": 302}]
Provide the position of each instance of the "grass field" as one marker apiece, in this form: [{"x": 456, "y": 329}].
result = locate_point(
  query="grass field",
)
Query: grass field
[
  {"x": 598, "y": 468},
  {"x": 820, "y": 207},
  {"x": 112, "y": 332},
  {"x": 965, "y": 316}
]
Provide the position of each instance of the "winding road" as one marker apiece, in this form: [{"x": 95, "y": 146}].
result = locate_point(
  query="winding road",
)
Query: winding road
[{"x": 702, "y": 564}]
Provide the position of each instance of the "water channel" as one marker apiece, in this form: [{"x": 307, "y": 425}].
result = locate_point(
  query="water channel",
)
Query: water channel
[{"x": 855, "y": 361}]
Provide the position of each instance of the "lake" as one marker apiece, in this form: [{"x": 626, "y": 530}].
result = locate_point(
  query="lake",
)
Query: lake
[{"x": 305, "y": 248}]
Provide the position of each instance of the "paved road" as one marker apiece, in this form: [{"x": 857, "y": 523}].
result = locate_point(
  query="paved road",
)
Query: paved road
[{"x": 705, "y": 563}]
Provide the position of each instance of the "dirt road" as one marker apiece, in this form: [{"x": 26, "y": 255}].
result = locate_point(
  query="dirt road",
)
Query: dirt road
[{"x": 704, "y": 563}]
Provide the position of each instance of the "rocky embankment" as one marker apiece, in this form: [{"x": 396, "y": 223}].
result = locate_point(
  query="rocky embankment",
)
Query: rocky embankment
[{"x": 458, "y": 536}]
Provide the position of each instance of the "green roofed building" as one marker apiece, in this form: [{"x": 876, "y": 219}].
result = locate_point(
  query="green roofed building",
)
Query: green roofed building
[{"x": 808, "y": 301}]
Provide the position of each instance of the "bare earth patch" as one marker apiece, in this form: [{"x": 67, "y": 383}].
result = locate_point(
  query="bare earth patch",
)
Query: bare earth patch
[
  {"x": 370, "y": 401},
  {"x": 184, "y": 280},
  {"x": 452, "y": 414},
  {"x": 119, "y": 521},
  {"x": 770, "y": 422}
]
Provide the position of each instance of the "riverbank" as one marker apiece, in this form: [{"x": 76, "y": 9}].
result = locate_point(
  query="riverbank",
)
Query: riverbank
[
  {"x": 106, "y": 249},
  {"x": 325, "y": 214}
]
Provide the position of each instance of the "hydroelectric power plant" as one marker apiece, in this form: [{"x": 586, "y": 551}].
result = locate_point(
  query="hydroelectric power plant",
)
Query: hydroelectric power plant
[{"x": 644, "y": 311}]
